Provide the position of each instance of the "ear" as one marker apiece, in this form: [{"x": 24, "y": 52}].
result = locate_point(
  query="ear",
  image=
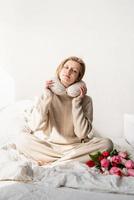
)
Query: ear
[
  {"x": 74, "y": 90},
  {"x": 57, "y": 87}
]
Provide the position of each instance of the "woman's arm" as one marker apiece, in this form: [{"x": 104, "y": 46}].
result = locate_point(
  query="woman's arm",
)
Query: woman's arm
[
  {"x": 39, "y": 115},
  {"x": 82, "y": 111}
]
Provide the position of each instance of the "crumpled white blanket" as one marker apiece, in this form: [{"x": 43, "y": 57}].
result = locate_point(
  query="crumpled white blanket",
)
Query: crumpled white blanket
[
  {"x": 14, "y": 166},
  {"x": 79, "y": 176}
]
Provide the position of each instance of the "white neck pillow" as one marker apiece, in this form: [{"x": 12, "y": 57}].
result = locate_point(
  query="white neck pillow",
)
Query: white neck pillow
[{"x": 72, "y": 91}]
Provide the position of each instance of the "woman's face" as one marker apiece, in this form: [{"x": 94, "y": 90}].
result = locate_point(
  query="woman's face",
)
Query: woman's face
[{"x": 69, "y": 73}]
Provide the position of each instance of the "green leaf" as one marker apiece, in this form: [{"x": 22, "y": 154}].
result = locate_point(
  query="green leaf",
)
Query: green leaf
[
  {"x": 95, "y": 157},
  {"x": 113, "y": 152},
  {"x": 98, "y": 166},
  {"x": 121, "y": 166}
]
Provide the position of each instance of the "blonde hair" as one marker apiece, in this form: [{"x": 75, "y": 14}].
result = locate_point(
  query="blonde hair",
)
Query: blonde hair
[{"x": 76, "y": 59}]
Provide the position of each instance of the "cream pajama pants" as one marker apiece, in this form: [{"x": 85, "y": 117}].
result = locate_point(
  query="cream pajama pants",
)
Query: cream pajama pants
[{"x": 40, "y": 150}]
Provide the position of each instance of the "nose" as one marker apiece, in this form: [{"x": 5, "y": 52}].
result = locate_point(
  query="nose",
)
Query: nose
[{"x": 69, "y": 71}]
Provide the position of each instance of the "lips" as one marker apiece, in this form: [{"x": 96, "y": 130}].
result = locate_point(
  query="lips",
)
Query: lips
[{"x": 66, "y": 76}]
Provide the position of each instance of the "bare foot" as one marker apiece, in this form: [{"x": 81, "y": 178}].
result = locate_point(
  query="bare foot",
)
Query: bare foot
[{"x": 41, "y": 162}]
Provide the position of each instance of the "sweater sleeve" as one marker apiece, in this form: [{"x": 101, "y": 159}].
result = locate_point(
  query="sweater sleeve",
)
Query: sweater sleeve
[
  {"x": 39, "y": 115},
  {"x": 82, "y": 111}
]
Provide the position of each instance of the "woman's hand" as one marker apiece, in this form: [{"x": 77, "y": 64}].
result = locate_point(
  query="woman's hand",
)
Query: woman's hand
[
  {"x": 83, "y": 91},
  {"x": 49, "y": 84}
]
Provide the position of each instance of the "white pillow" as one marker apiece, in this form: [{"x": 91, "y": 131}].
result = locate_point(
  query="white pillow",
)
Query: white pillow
[
  {"x": 129, "y": 128},
  {"x": 74, "y": 90},
  {"x": 12, "y": 120},
  {"x": 57, "y": 87}
]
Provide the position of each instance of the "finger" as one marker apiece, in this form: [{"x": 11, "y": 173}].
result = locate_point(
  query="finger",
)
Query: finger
[
  {"x": 84, "y": 90},
  {"x": 81, "y": 92},
  {"x": 50, "y": 81}
]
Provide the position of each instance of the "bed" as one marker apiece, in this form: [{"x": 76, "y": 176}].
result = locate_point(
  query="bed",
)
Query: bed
[{"x": 21, "y": 178}]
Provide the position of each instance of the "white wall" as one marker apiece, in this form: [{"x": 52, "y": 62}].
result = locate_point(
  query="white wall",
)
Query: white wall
[{"x": 35, "y": 35}]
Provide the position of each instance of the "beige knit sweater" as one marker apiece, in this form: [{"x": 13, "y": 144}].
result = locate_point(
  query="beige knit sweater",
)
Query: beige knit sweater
[{"x": 63, "y": 119}]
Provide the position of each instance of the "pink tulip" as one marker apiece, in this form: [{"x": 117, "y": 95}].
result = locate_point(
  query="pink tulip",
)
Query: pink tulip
[
  {"x": 131, "y": 172},
  {"x": 115, "y": 171},
  {"x": 129, "y": 164},
  {"x": 105, "y": 153},
  {"x": 114, "y": 164},
  {"x": 116, "y": 159},
  {"x": 100, "y": 157},
  {"x": 123, "y": 154},
  {"x": 105, "y": 163},
  {"x": 90, "y": 163}
]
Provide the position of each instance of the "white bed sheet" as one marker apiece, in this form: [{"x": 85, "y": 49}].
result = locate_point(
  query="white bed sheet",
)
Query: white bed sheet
[{"x": 18, "y": 191}]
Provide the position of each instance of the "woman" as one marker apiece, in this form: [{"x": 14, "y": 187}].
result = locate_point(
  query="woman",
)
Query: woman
[{"x": 65, "y": 121}]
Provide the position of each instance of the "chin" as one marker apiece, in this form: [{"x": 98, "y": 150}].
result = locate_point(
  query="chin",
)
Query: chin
[{"x": 65, "y": 83}]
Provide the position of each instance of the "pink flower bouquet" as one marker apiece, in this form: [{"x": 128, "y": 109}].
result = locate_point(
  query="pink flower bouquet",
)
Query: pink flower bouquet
[{"x": 114, "y": 163}]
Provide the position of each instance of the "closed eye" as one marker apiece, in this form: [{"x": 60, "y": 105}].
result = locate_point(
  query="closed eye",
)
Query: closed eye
[{"x": 66, "y": 67}]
